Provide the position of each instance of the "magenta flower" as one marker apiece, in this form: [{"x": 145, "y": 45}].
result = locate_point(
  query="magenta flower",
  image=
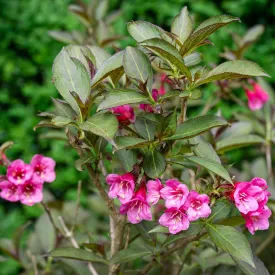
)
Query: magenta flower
[
  {"x": 43, "y": 169},
  {"x": 124, "y": 114},
  {"x": 175, "y": 219},
  {"x": 30, "y": 192},
  {"x": 257, "y": 220},
  {"x": 9, "y": 191},
  {"x": 256, "y": 97},
  {"x": 18, "y": 172},
  {"x": 174, "y": 193},
  {"x": 137, "y": 209},
  {"x": 153, "y": 189},
  {"x": 122, "y": 187},
  {"x": 197, "y": 206},
  {"x": 147, "y": 107},
  {"x": 262, "y": 197}
]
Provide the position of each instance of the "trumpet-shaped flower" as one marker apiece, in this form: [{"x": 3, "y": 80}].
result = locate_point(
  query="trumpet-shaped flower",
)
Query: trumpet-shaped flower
[
  {"x": 18, "y": 172},
  {"x": 153, "y": 189}
]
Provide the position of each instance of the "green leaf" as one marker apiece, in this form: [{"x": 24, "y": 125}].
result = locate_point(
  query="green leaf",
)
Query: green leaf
[
  {"x": 212, "y": 166},
  {"x": 229, "y": 144},
  {"x": 182, "y": 25},
  {"x": 204, "y": 30},
  {"x": 169, "y": 94},
  {"x": 252, "y": 35},
  {"x": 127, "y": 158},
  {"x": 241, "y": 128},
  {"x": 197, "y": 126},
  {"x": 76, "y": 254},
  {"x": 104, "y": 125},
  {"x": 111, "y": 67},
  {"x": 120, "y": 97},
  {"x": 192, "y": 59},
  {"x": 154, "y": 164},
  {"x": 231, "y": 241},
  {"x": 61, "y": 121},
  {"x": 64, "y": 37},
  {"x": 159, "y": 229},
  {"x": 129, "y": 254},
  {"x": 142, "y": 30},
  {"x": 204, "y": 149},
  {"x": 232, "y": 70},
  {"x": 247, "y": 269},
  {"x": 128, "y": 142},
  {"x": 169, "y": 125},
  {"x": 145, "y": 128},
  {"x": 63, "y": 109},
  {"x": 168, "y": 53},
  {"x": 220, "y": 210},
  {"x": 83, "y": 160},
  {"x": 233, "y": 221},
  {"x": 143, "y": 228},
  {"x": 99, "y": 54},
  {"x": 137, "y": 66},
  {"x": 195, "y": 94}
]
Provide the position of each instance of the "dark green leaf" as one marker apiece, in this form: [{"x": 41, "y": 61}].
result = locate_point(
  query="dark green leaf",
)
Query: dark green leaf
[
  {"x": 220, "y": 210},
  {"x": 233, "y": 221},
  {"x": 145, "y": 128},
  {"x": 120, "y": 97},
  {"x": 159, "y": 229},
  {"x": 83, "y": 160},
  {"x": 241, "y": 128},
  {"x": 104, "y": 125},
  {"x": 212, "y": 166},
  {"x": 76, "y": 254},
  {"x": 169, "y": 94},
  {"x": 154, "y": 164},
  {"x": 128, "y": 142},
  {"x": 169, "y": 125},
  {"x": 229, "y": 144},
  {"x": 130, "y": 254},
  {"x": 99, "y": 54},
  {"x": 137, "y": 66},
  {"x": 168, "y": 53},
  {"x": 197, "y": 126},
  {"x": 110, "y": 67},
  {"x": 142, "y": 229},
  {"x": 232, "y": 70},
  {"x": 182, "y": 25},
  {"x": 63, "y": 109},
  {"x": 127, "y": 158},
  {"x": 231, "y": 241}
]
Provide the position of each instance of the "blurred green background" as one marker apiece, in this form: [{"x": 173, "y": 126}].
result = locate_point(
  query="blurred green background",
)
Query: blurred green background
[{"x": 27, "y": 54}]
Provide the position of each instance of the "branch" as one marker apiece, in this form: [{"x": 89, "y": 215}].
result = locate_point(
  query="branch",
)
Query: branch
[{"x": 183, "y": 110}]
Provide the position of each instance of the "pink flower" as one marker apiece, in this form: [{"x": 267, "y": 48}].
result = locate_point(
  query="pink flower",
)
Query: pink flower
[
  {"x": 122, "y": 187},
  {"x": 174, "y": 194},
  {"x": 137, "y": 209},
  {"x": 175, "y": 219},
  {"x": 153, "y": 189},
  {"x": 256, "y": 97},
  {"x": 147, "y": 107},
  {"x": 245, "y": 196},
  {"x": 125, "y": 114},
  {"x": 9, "y": 191},
  {"x": 257, "y": 220},
  {"x": 18, "y": 172},
  {"x": 30, "y": 192},
  {"x": 197, "y": 206},
  {"x": 262, "y": 198},
  {"x": 43, "y": 169}
]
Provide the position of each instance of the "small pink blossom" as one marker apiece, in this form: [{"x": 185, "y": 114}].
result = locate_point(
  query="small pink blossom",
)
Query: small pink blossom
[
  {"x": 122, "y": 187},
  {"x": 153, "y": 189},
  {"x": 124, "y": 114},
  {"x": 31, "y": 192},
  {"x": 137, "y": 209},
  {"x": 18, "y": 172},
  {"x": 197, "y": 206},
  {"x": 43, "y": 169},
  {"x": 256, "y": 97},
  {"x": 175, "y": 219},
  {"x": 257, "y": 220},
  {"x": 174, "y": 193},
  {"x": 9, "y": 191}
]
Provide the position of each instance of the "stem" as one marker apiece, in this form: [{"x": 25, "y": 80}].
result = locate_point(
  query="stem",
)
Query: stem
[
  {"x": 77, "y": 205},
  {"x": 47, "y": 210},
  {"x": 183, "y": 110},
  {"x": 70, "y": 236}
]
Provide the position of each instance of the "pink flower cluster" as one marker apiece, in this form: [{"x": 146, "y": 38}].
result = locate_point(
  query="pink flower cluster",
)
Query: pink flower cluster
[
  {"x": 251, "y": 198},
  {"x": 24, "y": 182},
  {"x": 182, "y": 206},
  {"x": 257, "y": 97}
]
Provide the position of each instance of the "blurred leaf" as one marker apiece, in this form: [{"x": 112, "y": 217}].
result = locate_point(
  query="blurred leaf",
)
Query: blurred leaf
[
  {"x": 195, "y": 94},
  {"x": 169, "y": 125},
  {"x": 233, "y": 221},
  {"x": 231, "y": 241},
  {"x": 169, "y": 94},
  {"x": 159, "y": 229},
  {"x": 197, "y": 126},
  {"x": 252, "y": 35},
  {"x": 104, "y": 124},
  {"x": 229, "y": 144},
  {"x": 219, "y": 210},
  {"x": 241, "y": 128},
  {"x": 204, "y": 30},
  {"x": 168, "y": 53},
  {"x": 61, "y": 121},
  {"x": 154, "y": 164},
  {"x": 83, "y": 160},
  {"x": 212, "y": 166},
  {"x": 128, "y": 142},
  {"x": 143, "y": 231},
  {"x": 192, "y": 59},
  {"x": 62, "y": 36},
  {"x": 232, "y": 70},
  {"x": 120, "y": 97},
  {"x": 182, "y": 25},
  {"x": 76, "y": 254},
  {"x": 130, "y": 254},
  {"x": 110, "y": 67},
  {"x": 137, "y": 66}
]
